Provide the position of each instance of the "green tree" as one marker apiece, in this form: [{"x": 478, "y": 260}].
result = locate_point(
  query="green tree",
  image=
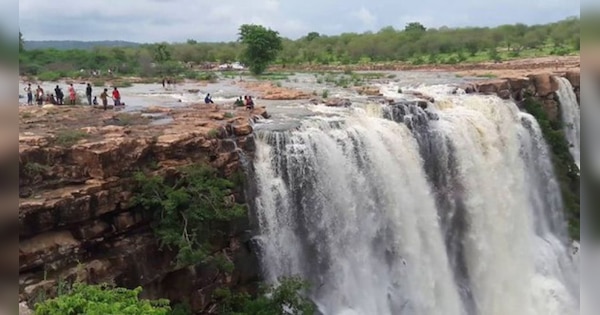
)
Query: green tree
[
  {"x": 101, "y": 300},
  {"x": 262, "y": 46},
  {"x": 187, "y": 209},
  {"x": 161, "y": 53},
  {"x": 21, "y": 42}
]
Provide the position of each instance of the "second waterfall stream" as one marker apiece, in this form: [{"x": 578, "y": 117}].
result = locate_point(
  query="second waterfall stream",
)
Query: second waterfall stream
[{"x": 389, "y": 209}]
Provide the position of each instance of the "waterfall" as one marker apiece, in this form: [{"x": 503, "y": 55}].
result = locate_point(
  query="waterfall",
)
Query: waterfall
[
  {"x": 405, "y": 211},
  {"x": 569, "y": 110}
]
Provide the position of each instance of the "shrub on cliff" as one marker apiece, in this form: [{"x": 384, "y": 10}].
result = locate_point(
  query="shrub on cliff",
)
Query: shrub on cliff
[
  {"x": 101, "y": 300},
  {"x": 261, "y": 46},
  {"x": 286, "y": 298},
  {"x": 188, "y": 209}
]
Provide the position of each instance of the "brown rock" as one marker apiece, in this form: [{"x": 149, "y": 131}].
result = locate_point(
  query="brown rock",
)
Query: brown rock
[
  {"x": 545, "y": 84},
  {"x": 492, "y": 86},
  {"x": 92, "y": 230},
  {"x": 338, "y": 102},
  {"x": 504, "y": 94},
  {"x": 518, "y": 83},
  {"x": 47, "y": 248},
  {"x": 242, "y": 129},
  {"x": 574, "y": 78},
  {"x": 125, "y": 220},
  {"x": 368, "y": 90}
]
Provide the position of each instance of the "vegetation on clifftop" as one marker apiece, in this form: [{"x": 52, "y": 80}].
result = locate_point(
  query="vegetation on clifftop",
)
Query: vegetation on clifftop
[
  {"x": 565, "y": 168},
  {"x": 189, "y": 209},
  {"x": 415, "y": 44},
  {"x": 101, "y": 300}
]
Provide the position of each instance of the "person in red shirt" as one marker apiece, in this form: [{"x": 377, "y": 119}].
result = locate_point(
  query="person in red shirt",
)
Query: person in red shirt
[{"x": 116, "y": 97}]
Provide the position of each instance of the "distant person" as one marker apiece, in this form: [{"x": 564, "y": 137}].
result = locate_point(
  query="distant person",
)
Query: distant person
[
  {"x": 39, "y": 95},
  {"x": 104, "y": 98},
  {"x": 72, "y": 94},
  {"x": 59, "y": 95},
  {"x": 29, "y": 94},
  {"x": 208, "y": 99},
  {"x": 52, "y": 100},
  {"x": 95, "y": 101},
  {"x": 116, "y": 96},
  {"x": 164, "y": 81},
  {"x": 249, "y": 103},
  {"x": 239, "y": 102},
  {"x": 88, "y": 93}
]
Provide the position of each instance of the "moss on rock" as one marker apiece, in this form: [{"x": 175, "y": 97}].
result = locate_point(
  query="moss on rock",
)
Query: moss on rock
[{"x": 565, "y": 168}]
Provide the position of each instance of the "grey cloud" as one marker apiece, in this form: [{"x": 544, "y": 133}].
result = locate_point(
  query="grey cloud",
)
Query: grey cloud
[{"x": 203, "y": 20}]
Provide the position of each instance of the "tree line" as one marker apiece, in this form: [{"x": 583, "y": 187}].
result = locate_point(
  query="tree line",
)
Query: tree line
[{"x": 414, "y": 44}]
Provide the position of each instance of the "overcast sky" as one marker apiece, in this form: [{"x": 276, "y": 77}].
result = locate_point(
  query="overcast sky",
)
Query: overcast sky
[{"x": 179, "y": 20}]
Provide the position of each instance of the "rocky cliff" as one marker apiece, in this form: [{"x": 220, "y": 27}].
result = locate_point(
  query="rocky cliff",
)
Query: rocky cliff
[
  {"x": 542, "y": 87},
  {"x": 76, "y": 222}
]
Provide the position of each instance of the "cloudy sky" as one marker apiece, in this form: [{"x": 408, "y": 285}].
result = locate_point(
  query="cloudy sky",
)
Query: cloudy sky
[{"x": 179, "y": 20}]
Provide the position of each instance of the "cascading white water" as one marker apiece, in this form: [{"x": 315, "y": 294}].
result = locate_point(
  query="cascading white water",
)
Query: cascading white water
[
  {"x": 438, "y": 214},
  {"x": 569, "y": 111}
]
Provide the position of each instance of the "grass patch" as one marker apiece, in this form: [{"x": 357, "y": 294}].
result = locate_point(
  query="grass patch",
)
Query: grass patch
[
  {"x": 33, "y": 169},
  {"x": 325, "y": 94},
  {"x": 68, "y": 137}
]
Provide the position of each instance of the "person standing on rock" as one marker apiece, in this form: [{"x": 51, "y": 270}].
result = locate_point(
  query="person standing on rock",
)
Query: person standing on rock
[
  {"x": 104, "y": 98},
  {"x": 59, "y": 95},
  {"x": 88, "y": 93},
  {"x": 116, "y": 96},
  {"x": 72, "y": 94},
  {"x": 39, "y": 95},
  {"x": 29, "y": 94}
]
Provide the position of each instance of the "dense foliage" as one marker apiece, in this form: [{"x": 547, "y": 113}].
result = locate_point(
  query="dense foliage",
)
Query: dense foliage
[
  {"x": 286, "y": 298},
  {"x": 261, "y": 46},
  {"x": 188, "y": 209},
  {"x": 414, "y": 44},
  {"x": 101, "y": 300},
  {"x": 564, "y": 165}
]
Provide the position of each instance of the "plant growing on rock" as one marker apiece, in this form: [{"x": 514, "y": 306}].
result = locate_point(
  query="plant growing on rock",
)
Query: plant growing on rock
[
  {"x": 566, "y": 170},
  {"x": 188, "y": 209},
  {"x": 286, "y": 298},
  {"x": 262, "y": 46},
  {"x": 100, "y": 300}
]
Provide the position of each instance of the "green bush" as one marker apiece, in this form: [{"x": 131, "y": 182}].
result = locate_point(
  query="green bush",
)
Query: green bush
[
  {"x": 187, "y": 209},
  {"x": 101, "y": 300},
  {"x": 287, "y": 298},
  {"x": 49, "y": 76}
]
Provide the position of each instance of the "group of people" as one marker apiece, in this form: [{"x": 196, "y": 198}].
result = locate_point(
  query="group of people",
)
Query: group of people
[
  {"x": 57, "y": 98},
  {"x": 246, "y": 101}
]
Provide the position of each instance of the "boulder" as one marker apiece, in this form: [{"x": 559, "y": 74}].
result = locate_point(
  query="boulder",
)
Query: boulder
[
  {"x": 338, "y": 102},
  {"x": 574, "y": 78},
  {"x": 545, "y": 84},
  {"x": 492, "y": 86},
  {"x": 242, "y": 129}
]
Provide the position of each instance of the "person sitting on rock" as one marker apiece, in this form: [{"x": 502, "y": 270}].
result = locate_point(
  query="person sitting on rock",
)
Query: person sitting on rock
[
  {"x": 239, "y": 102},
  {"x": 249, "y": 103},
  {"x": 208, "y": 99}
]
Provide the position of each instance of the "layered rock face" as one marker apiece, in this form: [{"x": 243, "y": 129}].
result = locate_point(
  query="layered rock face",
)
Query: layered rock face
[
  {"x": 543, "y": 87},
  {"x": 75, "y": 218}
]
